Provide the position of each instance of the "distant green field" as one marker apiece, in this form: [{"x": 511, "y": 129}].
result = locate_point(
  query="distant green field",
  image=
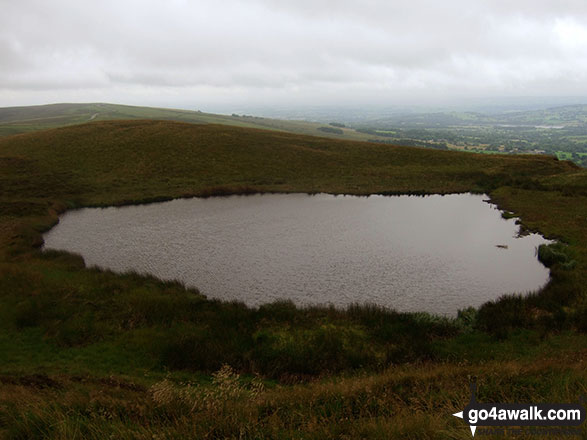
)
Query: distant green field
[
  {"x": 565, "y": 155},
  {"x": 577, "y": 138},
  {"x": 579, "y": 158}
]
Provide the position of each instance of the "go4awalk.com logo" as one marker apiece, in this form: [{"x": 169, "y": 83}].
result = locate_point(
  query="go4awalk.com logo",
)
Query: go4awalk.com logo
[{"x": 567, "y": 416}]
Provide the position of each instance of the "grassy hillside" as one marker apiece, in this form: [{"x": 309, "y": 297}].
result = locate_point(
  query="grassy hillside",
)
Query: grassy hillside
[
  {"x": 15, "y": 120},
  {"x": 92, "y": 354}
]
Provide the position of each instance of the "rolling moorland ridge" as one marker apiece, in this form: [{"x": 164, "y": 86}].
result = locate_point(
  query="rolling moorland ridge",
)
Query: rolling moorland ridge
[
  {"x": 558, "y": 131},
  {"x": 93, "y": 354},
  {"x": 14, "y": 120}
]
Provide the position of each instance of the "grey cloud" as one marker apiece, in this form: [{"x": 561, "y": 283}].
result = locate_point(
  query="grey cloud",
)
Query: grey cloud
[{"x": 304, "y": 50}]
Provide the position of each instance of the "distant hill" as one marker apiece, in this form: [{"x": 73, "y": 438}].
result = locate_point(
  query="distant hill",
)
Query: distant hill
[
  {"x": 16, "y": 120},
  {"x": 571, "y": 115}
]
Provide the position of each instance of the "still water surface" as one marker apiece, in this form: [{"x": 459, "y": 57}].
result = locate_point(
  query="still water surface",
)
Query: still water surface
[{"x": 434, "y": 253}]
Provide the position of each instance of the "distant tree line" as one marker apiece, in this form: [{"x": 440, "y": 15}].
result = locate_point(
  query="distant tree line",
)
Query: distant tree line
[
  {"x": 412, "y": 143},
  {"x": 331, "y": 130}
]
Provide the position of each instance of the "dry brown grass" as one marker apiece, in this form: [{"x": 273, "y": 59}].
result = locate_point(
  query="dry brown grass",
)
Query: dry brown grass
[{"x": 413, "y": 401}]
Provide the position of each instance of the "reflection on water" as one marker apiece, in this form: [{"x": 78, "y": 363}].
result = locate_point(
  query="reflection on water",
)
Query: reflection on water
[{"x": 434, "y": 253}]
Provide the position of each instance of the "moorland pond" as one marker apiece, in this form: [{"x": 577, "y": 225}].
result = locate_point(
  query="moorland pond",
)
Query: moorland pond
[{"x": 435, "y": 253}]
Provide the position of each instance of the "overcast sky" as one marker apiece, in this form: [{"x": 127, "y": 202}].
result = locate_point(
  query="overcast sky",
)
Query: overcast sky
[{"x": 216, "y": 54}]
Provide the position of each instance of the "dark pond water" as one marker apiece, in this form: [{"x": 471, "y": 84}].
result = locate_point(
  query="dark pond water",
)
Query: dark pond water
[{"x": 434, "y": 253}]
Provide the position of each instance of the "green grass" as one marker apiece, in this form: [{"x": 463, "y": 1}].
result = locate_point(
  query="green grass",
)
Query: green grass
[
  {"x": 565, "y": 155},
  {"x": 82, "y": 348}
]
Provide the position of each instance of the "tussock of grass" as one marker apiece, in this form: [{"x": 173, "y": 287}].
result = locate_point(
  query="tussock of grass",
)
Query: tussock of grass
[{"x": 556, "y": 253}]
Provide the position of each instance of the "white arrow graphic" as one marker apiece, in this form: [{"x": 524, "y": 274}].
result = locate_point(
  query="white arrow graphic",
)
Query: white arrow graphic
[{"x": 473, "y": 428}]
